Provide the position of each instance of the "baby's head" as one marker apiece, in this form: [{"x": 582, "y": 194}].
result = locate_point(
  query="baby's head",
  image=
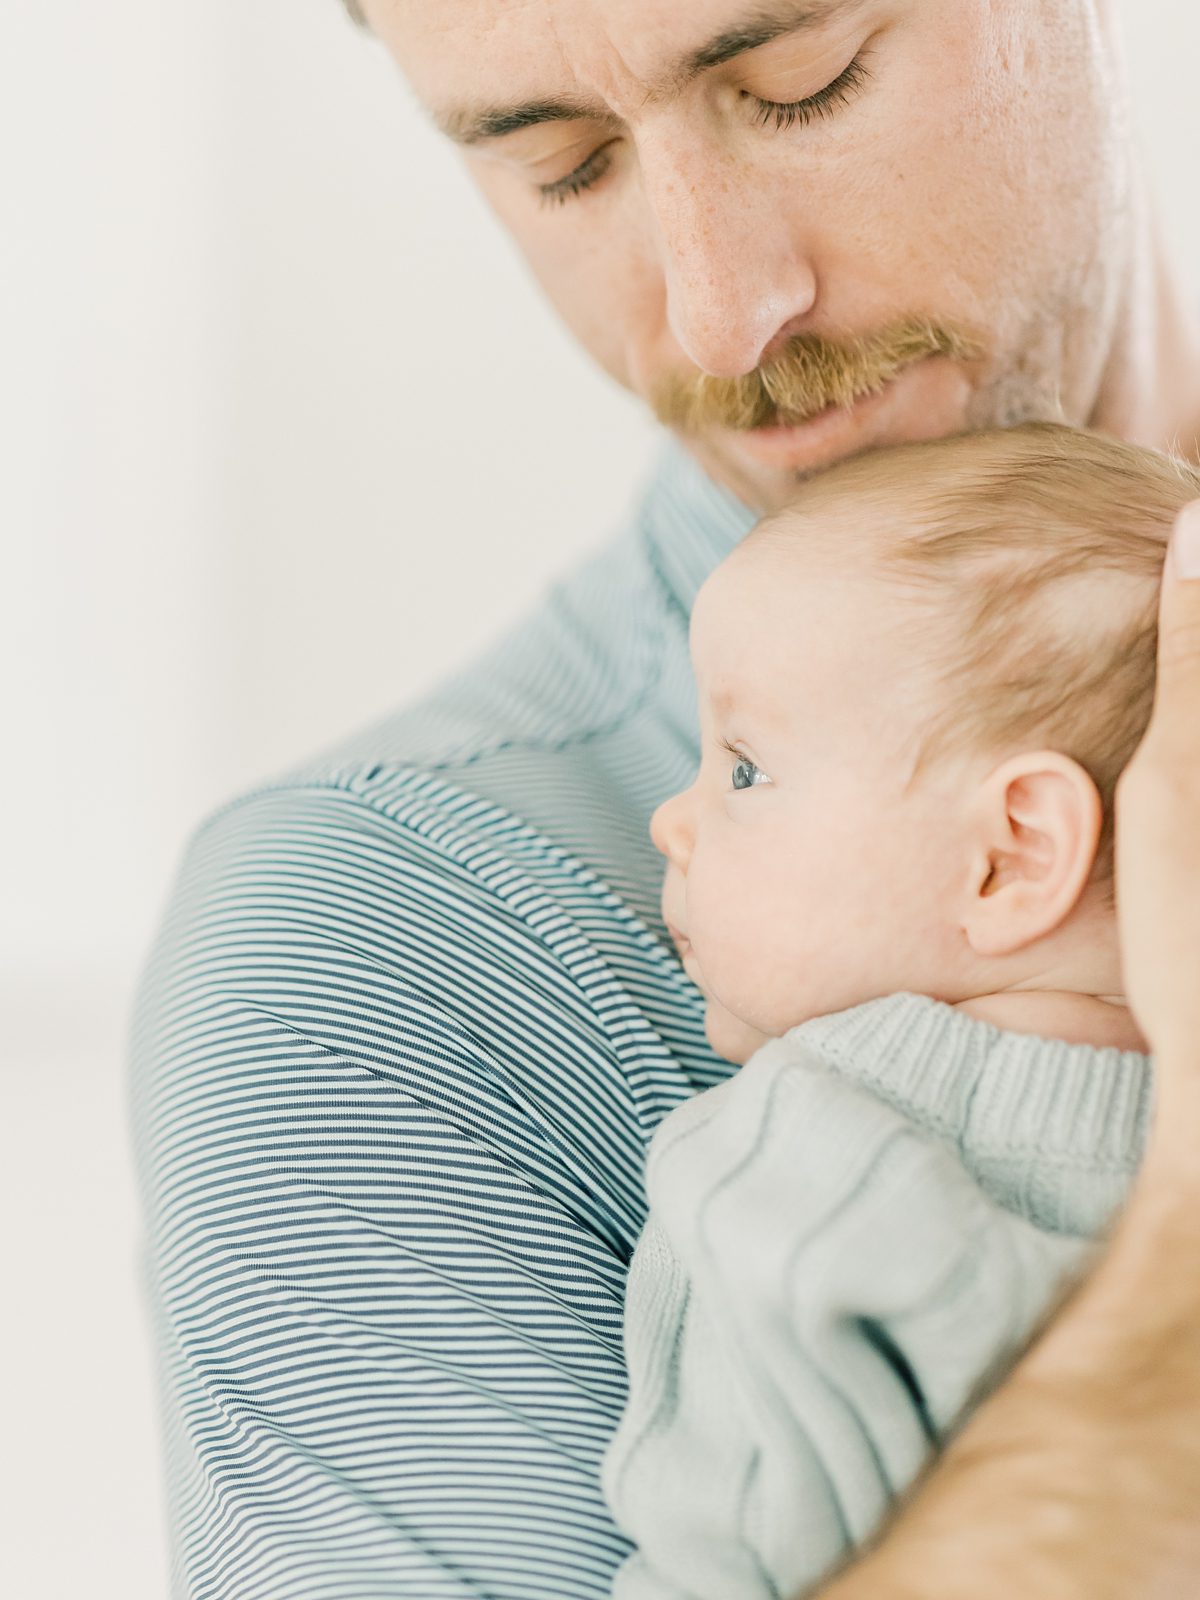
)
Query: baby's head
[{"x": 918, "y": 686}]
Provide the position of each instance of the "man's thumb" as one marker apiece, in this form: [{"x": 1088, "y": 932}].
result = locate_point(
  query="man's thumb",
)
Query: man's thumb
[{"x": 1179, "y": 610}]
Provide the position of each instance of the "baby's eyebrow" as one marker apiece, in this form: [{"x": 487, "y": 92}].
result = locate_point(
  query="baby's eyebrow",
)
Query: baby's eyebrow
[{"x": 723, "y": 702}]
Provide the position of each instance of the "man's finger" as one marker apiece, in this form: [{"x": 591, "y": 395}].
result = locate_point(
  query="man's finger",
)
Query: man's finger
[{"x": 1179, "y": 615}]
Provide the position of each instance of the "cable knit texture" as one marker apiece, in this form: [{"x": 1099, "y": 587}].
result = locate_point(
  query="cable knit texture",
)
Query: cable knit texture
[{"x": 848, "y": 1244}]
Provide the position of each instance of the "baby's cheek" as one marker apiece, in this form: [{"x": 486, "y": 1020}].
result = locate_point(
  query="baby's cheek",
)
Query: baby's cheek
[{"x": 750, "y": 962}]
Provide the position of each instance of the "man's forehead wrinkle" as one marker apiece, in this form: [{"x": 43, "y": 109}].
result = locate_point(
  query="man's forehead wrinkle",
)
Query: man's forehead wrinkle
[
  {"x": 749, "y": 30},
  {"x": 476, "y": 122},
  {"x": 769, "y": 22},
  {"x": 619, "y": 81}
]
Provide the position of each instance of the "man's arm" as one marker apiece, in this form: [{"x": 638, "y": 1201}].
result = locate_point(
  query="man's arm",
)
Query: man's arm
[{"x": 385, "y": 1259}]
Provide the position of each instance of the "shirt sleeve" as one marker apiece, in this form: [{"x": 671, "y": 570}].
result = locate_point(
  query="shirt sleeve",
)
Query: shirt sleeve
[
  {"x": 821, "y": 1293},
  {"x": 385, "y": 1266}
]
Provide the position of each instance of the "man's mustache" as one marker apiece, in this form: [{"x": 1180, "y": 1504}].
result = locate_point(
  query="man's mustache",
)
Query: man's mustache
[{"x": 809, "y": 375}]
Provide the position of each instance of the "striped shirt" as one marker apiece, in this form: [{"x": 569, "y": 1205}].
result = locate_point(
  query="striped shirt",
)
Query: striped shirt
[{"x": 404, "y": 1035}]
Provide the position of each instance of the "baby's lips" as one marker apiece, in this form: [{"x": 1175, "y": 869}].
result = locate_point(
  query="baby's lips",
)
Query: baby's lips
[{"x": 682, "y": 943}]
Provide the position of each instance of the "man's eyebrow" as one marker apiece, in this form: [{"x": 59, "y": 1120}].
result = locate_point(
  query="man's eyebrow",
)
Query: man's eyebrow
[
  {"x": 474, "y": 125},
  {"x": 767, "y": 23}
]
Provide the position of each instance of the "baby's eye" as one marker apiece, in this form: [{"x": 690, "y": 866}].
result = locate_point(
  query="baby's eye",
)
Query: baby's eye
[{"x": 745, "y": 774}]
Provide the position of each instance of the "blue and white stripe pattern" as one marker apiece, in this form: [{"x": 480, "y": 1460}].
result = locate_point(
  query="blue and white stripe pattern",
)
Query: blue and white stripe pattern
[{"x": 400, "y": 1046}]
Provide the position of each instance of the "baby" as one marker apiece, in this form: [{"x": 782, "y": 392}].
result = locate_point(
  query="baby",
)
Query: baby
[{"x": 892, "y": 881}]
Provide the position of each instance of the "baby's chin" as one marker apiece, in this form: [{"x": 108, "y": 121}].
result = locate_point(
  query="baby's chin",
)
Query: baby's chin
[{"x": 731, "y": 1038}]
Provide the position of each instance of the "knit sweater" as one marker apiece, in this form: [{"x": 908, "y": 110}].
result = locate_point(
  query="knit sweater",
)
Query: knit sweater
[{"x": 848, "y": 1243}]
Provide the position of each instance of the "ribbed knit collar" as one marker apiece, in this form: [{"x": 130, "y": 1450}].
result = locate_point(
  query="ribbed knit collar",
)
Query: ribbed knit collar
[
  {"x": 688, "y": 523},
  {"x": 1054, "y": 1129}
]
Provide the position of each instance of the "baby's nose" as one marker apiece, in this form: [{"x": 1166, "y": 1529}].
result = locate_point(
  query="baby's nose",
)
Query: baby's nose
[{"x": 670, "y": 831}]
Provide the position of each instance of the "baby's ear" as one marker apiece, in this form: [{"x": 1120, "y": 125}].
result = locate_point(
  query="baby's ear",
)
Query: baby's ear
[{"x": 1036, "y": 824}]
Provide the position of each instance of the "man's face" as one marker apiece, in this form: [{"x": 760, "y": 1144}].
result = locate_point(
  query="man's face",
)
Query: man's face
[
  {"x": 695, "y": 185},
  {"x": 806, "y": 870}
]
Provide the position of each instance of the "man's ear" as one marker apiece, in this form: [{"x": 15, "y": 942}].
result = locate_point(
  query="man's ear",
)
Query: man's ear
[{"x": 1034, "y": 830}]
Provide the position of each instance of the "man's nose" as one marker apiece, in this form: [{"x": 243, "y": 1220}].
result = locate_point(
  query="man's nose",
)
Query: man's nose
[
  {"x": 736, "y": 270},
  {"x": 671, "y": 830}
]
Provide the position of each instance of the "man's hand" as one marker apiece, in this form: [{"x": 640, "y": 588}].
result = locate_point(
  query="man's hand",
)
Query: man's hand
[{"x": 1158, "y": 833}]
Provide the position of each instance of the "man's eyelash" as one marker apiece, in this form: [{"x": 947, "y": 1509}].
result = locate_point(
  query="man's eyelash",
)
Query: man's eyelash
[
  {"x": 774, "y": 113},
  {"x": 787, "y": 113},
  {"x": 584, "y": 176}
]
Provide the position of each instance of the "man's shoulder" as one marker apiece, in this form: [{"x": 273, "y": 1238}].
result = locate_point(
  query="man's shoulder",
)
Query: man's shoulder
[
  {"x": 575, "y": 661},
  {"x": 389, "y": 916},
  {"x": 391, "y": 929},
  {"x": 530, "y": 758},
  {"x": 580, "y": 662},
  {"x": 388, "y": 859},
  {"x": 475, "y": 869}
]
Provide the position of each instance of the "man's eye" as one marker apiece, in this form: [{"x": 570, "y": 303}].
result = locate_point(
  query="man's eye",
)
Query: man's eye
[
  {"x": 768, "y": 113},
  {"x": 585, "y": 175},
  {"x": 787, "y": 113}
]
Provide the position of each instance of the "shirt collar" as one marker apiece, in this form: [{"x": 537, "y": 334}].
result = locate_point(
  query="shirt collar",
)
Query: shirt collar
[{"x": 689, "y": 524}]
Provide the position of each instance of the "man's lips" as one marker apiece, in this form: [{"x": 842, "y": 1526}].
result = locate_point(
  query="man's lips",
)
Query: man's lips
[
  {"x": 682, "y": 942},
  {"x": 830, "y": 432},
  {"x": 837, "y": 431}
]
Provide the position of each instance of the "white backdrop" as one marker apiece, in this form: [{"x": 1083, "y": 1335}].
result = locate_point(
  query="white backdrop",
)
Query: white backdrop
[{"x": 243, "y": 511}]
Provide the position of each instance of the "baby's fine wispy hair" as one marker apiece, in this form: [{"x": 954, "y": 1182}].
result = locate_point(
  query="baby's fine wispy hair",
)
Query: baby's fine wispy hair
[{"x": 1035, "y": 556}]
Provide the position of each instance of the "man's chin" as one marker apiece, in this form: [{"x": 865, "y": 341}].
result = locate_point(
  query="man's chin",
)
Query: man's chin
[{"x": 764, "y": 466}]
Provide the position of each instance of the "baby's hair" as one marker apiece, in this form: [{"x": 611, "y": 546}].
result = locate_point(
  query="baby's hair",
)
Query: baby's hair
[{"x": 1041, "y": 549}]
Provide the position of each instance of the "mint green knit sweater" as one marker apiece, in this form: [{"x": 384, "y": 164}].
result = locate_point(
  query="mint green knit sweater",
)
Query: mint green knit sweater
[{"x": 848, "y": 1243}]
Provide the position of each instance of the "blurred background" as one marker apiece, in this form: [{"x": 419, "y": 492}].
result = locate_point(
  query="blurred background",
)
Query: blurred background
[{"x": 243, "y": 512}]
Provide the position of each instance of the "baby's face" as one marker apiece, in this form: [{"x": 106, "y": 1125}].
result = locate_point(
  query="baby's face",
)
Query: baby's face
[{"x": 806, "y": 874}]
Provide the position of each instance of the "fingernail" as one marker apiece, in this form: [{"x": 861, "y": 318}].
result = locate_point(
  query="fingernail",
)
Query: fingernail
[{"x": 1185, "y": 542}]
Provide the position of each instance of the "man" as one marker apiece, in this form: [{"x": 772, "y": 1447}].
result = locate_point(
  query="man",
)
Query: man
[{"x": 413, "y": 1015}]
